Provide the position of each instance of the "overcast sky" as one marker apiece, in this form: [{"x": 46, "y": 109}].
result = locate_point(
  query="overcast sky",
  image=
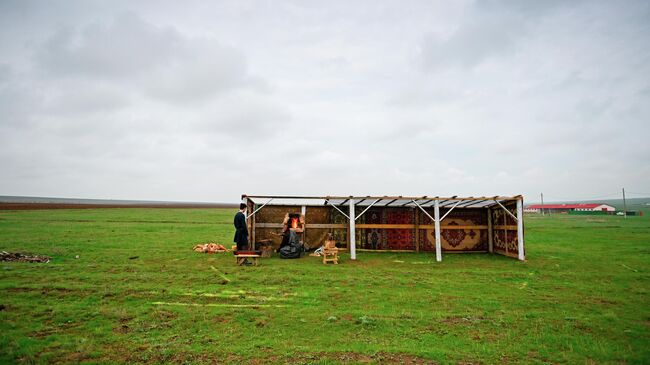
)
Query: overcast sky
[{"x": 204, "y": 101}]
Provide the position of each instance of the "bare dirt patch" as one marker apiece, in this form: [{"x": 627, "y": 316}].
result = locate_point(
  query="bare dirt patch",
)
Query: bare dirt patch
[
  {"x": 156, "y": 355},
  {"x": 350, "y": 358},
  {"x": 462, "y": 320},
  {"x": 21, "y": 257},
  {"x": 122, "y": 329},
  {"x": 53, "y": 329}
]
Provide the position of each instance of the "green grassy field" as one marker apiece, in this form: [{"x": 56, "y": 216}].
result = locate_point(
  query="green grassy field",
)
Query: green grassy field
[{"x": 582, "y": 296}]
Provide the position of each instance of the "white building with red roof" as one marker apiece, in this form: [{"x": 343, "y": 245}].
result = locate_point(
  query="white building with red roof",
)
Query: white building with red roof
[{"x": 591, "y": 207}]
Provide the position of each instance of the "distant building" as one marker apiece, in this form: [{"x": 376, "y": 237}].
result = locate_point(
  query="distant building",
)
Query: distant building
[{"x": 564, "y": 208}]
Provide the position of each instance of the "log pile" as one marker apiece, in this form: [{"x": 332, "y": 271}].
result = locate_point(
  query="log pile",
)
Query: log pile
[
  {"x": 19, "y": 257},
  {"x": 210, "y": 247}
]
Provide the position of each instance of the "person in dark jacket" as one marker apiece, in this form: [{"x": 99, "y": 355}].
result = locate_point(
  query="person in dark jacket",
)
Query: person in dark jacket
[{"x": 241, "y": 231}]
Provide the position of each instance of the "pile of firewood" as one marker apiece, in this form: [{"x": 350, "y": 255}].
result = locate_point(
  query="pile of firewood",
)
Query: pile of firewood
[
  {"x": 19, "y": 257},
  {"x": 210, "y": 247}
]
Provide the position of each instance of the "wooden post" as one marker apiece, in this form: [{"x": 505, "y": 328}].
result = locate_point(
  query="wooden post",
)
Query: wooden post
[
  {"x": 250, "y": 206},
  {"x": 353, "y": 243},
  {"x": 520, "y": 228},
  {"x": 505, "y": 231},
  {"x": 416, "y": 218},
  {"x": 436, "y": 215},
  {"x": 490, "y": 233},
  {"x": 347, "y": 230},
  {"x": 253, "y": 229},
  {"x": 303, "y": 211}
]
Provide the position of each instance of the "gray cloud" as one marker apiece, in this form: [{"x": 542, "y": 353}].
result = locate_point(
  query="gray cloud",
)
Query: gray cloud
[
  {"x": 158, "y": 61},
  {"x": 125, "y": 47}
]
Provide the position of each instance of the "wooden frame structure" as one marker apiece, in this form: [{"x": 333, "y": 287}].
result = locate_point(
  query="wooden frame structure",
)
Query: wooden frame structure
[{"x": 398, "y": 223}]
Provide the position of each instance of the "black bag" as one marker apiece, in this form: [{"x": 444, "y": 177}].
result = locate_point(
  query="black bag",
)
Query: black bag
[
  {"x": 293, "y": 249},
  {"x": 289, "y": 252}
]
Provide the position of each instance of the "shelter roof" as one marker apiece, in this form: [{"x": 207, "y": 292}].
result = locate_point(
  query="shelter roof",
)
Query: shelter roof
[{"x": 382, "y": 201}]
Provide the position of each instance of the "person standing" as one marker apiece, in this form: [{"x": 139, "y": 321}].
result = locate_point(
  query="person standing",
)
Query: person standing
[{"x": 241, "y": 231}]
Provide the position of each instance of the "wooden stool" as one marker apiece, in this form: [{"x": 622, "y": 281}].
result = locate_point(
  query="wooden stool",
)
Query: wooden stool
[
  {"x": 242, "y": 258},
  {"x": 331, "y": 255},
  {"x": 267, "y": 251},
  {"x": 266, "y": 246}
]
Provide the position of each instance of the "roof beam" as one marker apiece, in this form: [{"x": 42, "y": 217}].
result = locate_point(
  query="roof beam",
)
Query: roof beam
[
  {"x": 428, "y": 201},
  {"x": 258, "y": 209},
  {"x": 449, "y": 211},
  {"x": 390, "y": 202},
  {"x": 450, "y": 203},
  {"x": 337, "y": 208},
  {"x": 507, "y": 211},
  {"x": 413, "y": 200},
  {"x": 473, "y": 203},
  {"x": 365, "y": 210},
  {"x": 424, "y": 211}
]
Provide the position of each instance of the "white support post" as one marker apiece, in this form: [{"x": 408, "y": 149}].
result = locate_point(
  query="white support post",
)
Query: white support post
[
  {"x": 353, "y": 242},
  {"x": 436, "y": 214},
  {"x": 520, "y": 229}
]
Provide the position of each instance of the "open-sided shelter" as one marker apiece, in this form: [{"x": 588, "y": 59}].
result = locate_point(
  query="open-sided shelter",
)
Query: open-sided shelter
[{"x": 396, "y": 223}]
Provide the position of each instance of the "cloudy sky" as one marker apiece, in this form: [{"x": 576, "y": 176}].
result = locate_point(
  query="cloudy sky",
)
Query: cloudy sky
[{"x": 204, "y": 101}]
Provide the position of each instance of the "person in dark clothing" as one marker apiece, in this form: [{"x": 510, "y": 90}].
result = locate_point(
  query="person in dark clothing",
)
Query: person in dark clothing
[
  {"x": 293, "y": 222},
  {"x": 241, "y": 231}
]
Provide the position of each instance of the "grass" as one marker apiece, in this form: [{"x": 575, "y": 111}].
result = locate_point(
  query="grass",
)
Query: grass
[{"x": 582, "y": 296}]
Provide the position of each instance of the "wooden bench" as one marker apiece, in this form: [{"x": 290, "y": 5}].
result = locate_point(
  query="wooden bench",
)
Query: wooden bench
[{"x": 242, "y": 258}]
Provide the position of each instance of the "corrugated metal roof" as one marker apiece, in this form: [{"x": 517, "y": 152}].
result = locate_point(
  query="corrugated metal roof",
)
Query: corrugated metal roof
[
  {"x": 284, "y": 201},
  {"x": 381, "y": 201}
]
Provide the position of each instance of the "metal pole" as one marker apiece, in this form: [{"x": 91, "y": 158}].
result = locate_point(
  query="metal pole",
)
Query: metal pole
[
  {"x": 436, "y": 214},
  {"x": 624, "y": 205},
  {"x": 520, "y": 228},
  {"x": 542, "y": 194},
  {"x": 353, "y": 242}
]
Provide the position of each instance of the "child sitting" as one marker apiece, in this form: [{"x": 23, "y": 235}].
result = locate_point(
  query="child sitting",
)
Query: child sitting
[
  {"x": 330, "y": 251},
  {"x": 330, "y": 244}
]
